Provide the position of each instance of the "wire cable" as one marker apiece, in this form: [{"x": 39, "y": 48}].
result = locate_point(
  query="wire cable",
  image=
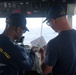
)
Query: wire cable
[{"x": 41, "y": 28}]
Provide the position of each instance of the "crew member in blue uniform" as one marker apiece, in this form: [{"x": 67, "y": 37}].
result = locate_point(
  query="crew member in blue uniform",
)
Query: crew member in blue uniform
[
  {"x": 60, "y": 57},
  {"x": 14, "y": 58}
]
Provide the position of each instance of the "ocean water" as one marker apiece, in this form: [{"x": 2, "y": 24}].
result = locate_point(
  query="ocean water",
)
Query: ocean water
[{"x": 34, "y": 33}]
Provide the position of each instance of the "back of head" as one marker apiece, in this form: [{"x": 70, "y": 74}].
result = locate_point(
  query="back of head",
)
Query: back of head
[
  {"x": 17, "y": 19},
  {"x": 54, "y": 12}
]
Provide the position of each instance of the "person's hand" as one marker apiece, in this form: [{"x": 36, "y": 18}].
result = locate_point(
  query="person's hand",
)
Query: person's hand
[
  {"x": 42, "y": 50},
  {"x": 34, "y": 48},
  {"x": 42, "y": 53},
  {"x": 44, "y": 47}
]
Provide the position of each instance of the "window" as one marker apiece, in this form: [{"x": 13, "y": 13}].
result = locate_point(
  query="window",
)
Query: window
[
  {"x": 74, "y": 21},
  {"x": 36, "y": 29},
  {"x": 2, "y": 24}
]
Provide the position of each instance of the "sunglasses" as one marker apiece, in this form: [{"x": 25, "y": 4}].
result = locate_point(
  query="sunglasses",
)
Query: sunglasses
[{"x": 23, "y": 30}]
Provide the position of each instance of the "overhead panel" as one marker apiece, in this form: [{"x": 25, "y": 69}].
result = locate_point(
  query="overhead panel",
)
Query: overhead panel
[
  {"x": 7, "y": 8},
  {"x": 30, "y": 8}
]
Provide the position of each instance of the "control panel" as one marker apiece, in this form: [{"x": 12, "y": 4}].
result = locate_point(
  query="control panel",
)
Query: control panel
[{"x": 30, "y": 8}]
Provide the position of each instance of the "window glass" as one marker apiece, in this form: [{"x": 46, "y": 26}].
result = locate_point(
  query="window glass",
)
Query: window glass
[
  {"x": 36, "y": 29},
  {"x": 2, "y": 24},
  {"x": 74, "y": 21}
]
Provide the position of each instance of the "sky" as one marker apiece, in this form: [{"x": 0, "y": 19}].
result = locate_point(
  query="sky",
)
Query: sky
[
  {"x": 31, "y": 22},
  {"x": 34, "y": 22}
]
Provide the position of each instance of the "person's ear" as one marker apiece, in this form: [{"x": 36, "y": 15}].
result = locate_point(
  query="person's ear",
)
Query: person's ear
[{"x": 18, "y": 29}]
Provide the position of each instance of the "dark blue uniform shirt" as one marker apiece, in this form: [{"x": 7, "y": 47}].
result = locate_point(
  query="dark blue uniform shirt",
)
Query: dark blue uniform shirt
[
  {"x": 14, "y": 58},
  {"x": 61, "y": 53}
]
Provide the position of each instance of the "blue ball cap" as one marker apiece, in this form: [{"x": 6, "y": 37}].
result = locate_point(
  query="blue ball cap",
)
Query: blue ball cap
[
  {"x": 54, "y": 12},
  {"x": 17, "y": 19}
]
